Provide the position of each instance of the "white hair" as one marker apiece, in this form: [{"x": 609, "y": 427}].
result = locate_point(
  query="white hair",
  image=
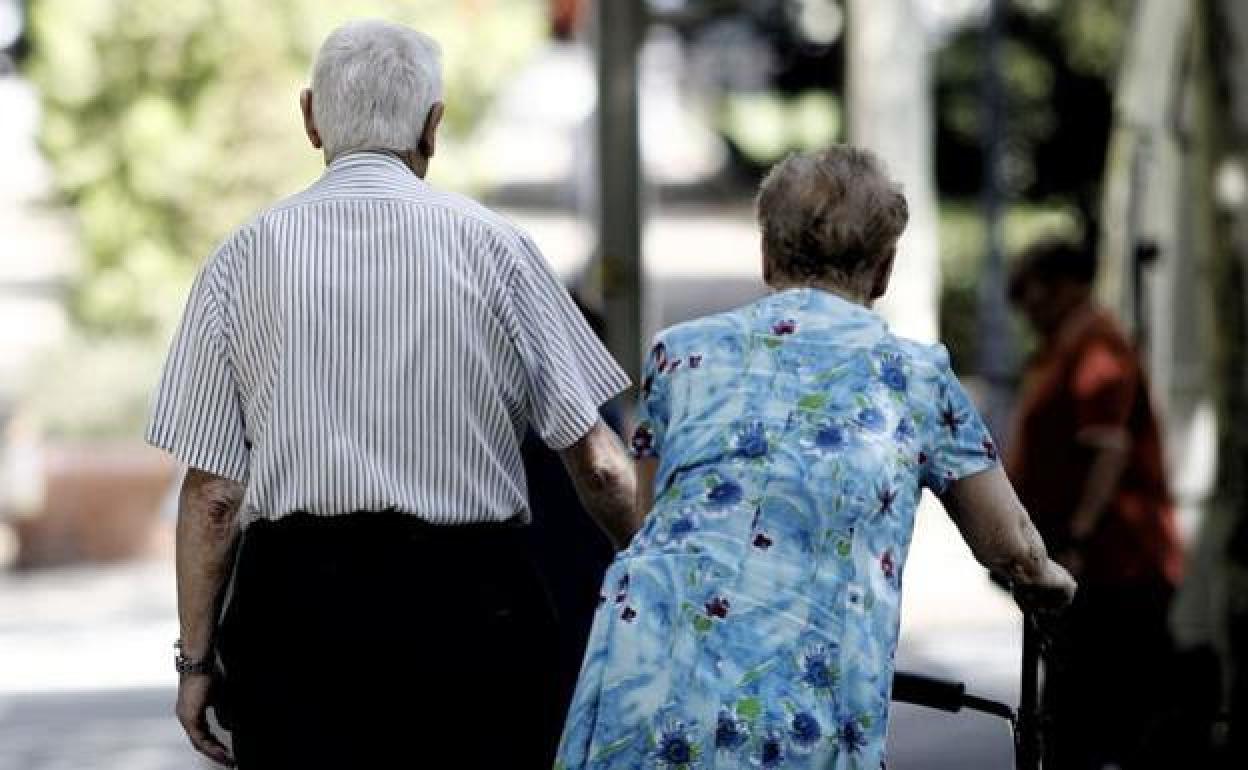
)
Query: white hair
[{"x": 373, "y": 85}]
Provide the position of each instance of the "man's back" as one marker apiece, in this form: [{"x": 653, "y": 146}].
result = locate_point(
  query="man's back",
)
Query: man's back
[{"x": 380, "y": 336}]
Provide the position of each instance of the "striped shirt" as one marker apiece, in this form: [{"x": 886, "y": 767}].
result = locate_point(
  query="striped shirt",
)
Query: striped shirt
[{"x": 374, "y": 343}]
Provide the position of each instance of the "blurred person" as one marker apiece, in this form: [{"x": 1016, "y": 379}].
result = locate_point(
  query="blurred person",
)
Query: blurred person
[
  {"x": 1087, "y": 462},
  {"x": 782, "y": 450},
  {"x": 349, "y": 386}
]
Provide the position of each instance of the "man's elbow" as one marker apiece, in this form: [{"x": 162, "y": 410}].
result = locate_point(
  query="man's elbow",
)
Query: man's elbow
[
  {"x": 598, "y": 462},
  {"x": 213, "y": 501},
  {"x": 605, "y": 481},
  {"x": 608, "y": 488},
  {"x": 610, "y": 474}
]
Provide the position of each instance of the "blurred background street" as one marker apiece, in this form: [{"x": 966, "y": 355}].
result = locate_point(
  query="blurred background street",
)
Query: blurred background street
[{"x": 134, "y": 134}]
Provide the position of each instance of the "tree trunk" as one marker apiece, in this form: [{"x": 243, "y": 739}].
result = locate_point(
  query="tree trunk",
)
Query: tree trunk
[
  {"x": 620, "y": 26},
  {"x": 1223, "y": 37},
  {"x": 890, "y": 112}
]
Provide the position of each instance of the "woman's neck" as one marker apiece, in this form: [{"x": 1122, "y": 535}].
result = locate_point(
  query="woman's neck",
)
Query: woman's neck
[{"x": 847, "y": 293}]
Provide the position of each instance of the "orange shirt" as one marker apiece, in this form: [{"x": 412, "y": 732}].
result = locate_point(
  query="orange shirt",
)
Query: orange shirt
[{"x": 1088, "y": 379}]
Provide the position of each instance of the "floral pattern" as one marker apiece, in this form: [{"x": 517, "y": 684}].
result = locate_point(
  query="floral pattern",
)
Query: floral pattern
[{"x": 752, "y": 622}]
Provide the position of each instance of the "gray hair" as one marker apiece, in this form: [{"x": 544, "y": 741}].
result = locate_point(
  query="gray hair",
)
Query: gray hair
[
  {"x": 830, "y": 214},
  {"x": 373, "y": 85}
]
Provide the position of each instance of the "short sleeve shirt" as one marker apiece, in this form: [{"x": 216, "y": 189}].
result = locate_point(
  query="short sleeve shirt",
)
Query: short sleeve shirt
[
  {"x": 1086, "y": 385},
  {"x": 374, "y": 343}
]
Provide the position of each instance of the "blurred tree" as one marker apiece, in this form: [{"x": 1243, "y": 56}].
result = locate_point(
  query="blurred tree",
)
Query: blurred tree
[
  {"x": 1220, "y": 42},
  {"x": 13, "y": 42},
  {"x": 1059, "y": 64},
  {"x": 773, "y": 70},
  {"x": 167, "y": 124},
  {"x": 1060, "y": 58},
  {"x": 886, "y": 34}
]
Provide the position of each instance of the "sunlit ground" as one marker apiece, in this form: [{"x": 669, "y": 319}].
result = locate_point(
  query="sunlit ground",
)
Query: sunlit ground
[{"x": 85, "y": 671}]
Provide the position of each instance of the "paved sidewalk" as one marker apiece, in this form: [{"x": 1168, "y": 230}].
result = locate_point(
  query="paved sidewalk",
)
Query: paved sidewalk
[
  {"x": 87, "y": 629},
  {"x": 85, "y": 673},
  {"x": 129, "y": 729},
  {"x": 86, "y": 684}
]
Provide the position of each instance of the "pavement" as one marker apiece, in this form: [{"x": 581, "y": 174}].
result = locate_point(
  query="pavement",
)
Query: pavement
[
  {"x": 85, "y": 679},
  {"x": 85, "y": 676}
]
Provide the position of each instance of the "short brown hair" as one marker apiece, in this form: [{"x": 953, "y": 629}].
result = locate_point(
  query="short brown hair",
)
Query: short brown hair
[{"x": 833, "y": 213}]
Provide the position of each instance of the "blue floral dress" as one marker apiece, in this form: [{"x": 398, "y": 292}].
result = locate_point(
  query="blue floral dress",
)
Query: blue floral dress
[{"x": 752, "y": 622}]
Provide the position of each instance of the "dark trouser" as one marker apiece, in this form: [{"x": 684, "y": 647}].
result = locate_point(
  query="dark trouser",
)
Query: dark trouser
[
  {"x": 372, "y": 640},
  {"x": 1109, "y": 679}
]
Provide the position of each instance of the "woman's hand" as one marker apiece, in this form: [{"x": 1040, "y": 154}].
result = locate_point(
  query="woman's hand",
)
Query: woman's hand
[{"x": 1053, "y": 591}]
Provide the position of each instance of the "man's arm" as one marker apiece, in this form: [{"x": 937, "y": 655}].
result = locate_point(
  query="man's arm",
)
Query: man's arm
[
  {"x": 207, "y": 532},
  {"x": 605, "y": 482},
  {"x": 647, "y": 469},
  {"x": 1001, "y": 536}
]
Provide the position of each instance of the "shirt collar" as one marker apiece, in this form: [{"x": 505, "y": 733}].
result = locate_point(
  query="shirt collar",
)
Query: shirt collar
[
  {"x": 816, "y": 300},
  {"x": 369, "y": 163}
]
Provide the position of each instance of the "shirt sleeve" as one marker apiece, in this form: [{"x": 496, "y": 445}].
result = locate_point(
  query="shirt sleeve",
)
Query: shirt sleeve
[
  {"x": 568, "y": 371},
  {"x": 652, "y": 404},
  {"x": 959, "y": 444},
  {"x": 197, "y": 413},
  {"x": 1103, "y": 384}
]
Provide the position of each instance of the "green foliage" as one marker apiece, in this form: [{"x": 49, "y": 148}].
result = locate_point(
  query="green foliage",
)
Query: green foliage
[
  {"x": 767, "y": 126},
  {"x": 1095, "y": 33},
  {"x": 1059, "y": 60},
  {"x": 169, "y": 123},
  {"x": 93, "y": 388},
  {"x": 962, "y": 238}
]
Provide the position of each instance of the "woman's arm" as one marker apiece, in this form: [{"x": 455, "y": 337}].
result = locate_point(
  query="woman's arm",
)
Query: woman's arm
[{"x": 1001, "y": 536}]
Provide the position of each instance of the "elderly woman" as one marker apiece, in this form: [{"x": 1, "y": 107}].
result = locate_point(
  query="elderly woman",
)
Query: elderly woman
[{"x": 782, "y": 451}]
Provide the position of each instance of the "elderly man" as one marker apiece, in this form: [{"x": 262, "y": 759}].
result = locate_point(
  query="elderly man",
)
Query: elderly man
[{"x": 349, "y": 386}]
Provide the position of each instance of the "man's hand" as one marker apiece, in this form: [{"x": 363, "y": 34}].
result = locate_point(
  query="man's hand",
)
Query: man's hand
[{"x": 192, "y": 710}]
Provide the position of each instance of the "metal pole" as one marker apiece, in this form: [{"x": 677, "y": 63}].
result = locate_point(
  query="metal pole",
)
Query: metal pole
[
  {"x": 996, "y": 348},
  {"x": 619, "y": 29},
  {"x": 1029, "y": 737}
]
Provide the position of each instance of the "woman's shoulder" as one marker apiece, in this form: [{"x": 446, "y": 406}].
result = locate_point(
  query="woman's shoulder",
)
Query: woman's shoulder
[
  {"x": 930, "y": 357},
  {"x": 697, "y": 331}
]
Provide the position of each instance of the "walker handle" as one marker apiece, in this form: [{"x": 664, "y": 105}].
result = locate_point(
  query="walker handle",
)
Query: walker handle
[{"x": 943, "y": 694}]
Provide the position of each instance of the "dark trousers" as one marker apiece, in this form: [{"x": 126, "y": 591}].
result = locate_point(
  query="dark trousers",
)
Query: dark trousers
[
  {"x": 1108, "y": 680},
  {"x": 372, "y": 640}
]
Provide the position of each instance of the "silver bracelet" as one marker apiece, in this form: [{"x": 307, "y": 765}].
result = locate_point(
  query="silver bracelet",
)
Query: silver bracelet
[{"x": 187, "y": 666}]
